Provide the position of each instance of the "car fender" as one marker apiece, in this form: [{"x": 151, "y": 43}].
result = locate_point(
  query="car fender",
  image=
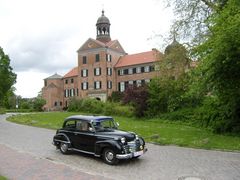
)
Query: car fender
[
  {"x": 61, "y": 137},
  {"x": 112, "y": 144}
]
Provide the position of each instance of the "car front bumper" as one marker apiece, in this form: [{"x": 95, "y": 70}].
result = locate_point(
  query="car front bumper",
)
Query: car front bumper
[{"x": 131, "y": 155}]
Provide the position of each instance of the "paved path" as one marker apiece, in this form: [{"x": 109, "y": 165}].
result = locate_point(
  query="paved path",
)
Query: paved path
[{"x": 29, "y": 149}]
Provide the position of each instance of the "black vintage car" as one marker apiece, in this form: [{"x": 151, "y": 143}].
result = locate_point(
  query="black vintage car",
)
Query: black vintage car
[{"x": 99, "y": 136}]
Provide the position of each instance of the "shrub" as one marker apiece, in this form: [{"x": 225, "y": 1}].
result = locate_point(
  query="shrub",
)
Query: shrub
[
  {"x": 2, "y": 110},
  {"x": 94, "y": 106}
]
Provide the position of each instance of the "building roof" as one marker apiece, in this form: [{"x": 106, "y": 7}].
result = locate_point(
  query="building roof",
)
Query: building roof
[
  {"x": 103, "y": 19},
  {"x": 55, "y": 76},
  {"x": 73, "y": 72},
  {"x": 140, "y": 58}
]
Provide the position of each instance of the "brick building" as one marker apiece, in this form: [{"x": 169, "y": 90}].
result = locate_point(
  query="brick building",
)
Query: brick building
[{"x": 103, "y": 67}]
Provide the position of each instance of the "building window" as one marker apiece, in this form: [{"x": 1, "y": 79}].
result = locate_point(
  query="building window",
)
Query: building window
[
  {"x": 72, "y": 80},
  {"x": 66, "y": 81},
  {"x": 109, "y": 57},
  {"x": 122, "y": 86},
  {"x": 130, "y": 82},
  {"x": 97, "y": 71},
  {"x": 109, "y": 84},
  {"x": 72, "y": 92},
  {"x": 109, "y": 71},
  {"x": 138, "y": 70},
  {"x": 147, "y": 80},
  {"x": 66, "y": 93},
  {"x": 142, "y": 69},
  {"x": 97, "y": 85},
  {"x": 139, "y": 83},
  {"x": 134, "y": 70},
  {"x": 84, "y": 60},
  {"x": 84, "y": 85},
  {"x": 84, "y": 72},
  {"x": 97, "y": 58},
  {"x": 125, "y": 71},
  {"x": 130, "y": 71},
  {"x": 146, "y": 69},
  {"x": 120, "y": 72},
  {"x": 55, "y": 103},
  {"x": 45, "y": 83}
]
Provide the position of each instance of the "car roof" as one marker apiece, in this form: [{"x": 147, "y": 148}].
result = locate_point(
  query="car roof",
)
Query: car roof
[{"x": 88, "y": 118}]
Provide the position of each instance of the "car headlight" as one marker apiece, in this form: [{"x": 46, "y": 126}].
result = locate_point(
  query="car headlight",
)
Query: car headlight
[
  {"x": 137, "y": 137},
  {"x": 123, "y": 140}
]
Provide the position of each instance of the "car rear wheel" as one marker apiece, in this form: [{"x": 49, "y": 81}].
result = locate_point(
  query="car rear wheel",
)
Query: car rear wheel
[
  {"x": 109, "y": 156},
  {"x": 64, "y": 148}
]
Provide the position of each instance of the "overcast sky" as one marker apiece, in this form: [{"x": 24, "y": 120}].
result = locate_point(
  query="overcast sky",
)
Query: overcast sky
[{"x": 42, "y": 36}]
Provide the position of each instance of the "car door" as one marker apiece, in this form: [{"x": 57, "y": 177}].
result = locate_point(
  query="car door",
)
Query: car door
[{"x": 84, "y": 139}]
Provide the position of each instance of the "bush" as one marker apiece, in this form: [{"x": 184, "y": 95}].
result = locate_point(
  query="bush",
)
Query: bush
[
  {"x": 94, "y": 106},
  {"x": 2, "y": 110}
]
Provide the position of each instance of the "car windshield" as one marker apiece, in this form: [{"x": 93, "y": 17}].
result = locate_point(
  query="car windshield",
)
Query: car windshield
[{"x": 104, "y": 124}]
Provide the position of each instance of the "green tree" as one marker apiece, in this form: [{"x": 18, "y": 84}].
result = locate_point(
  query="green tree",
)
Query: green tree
[
  {"x": 220, "y": 55},
  {"x": 7, "y": 76},
  {"x": 38, "y": 104}
]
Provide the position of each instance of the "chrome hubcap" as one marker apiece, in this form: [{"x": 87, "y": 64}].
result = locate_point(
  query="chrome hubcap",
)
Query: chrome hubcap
[
  {"x": 109, "y": 156},
  {"x": 64, "y": 147}
]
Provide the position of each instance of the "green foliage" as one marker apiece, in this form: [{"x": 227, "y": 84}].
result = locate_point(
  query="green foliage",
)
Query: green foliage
[
  {"x": 94, "y": 106},
  {"x": 220, "y": 64},
  {"x": 2, "y": 110},
  {"x": 116, "y": 96},
  {"x": 7, "y": 77},
  {"x": 38, "y": 104},
  {"x": 165, "y": 95}
]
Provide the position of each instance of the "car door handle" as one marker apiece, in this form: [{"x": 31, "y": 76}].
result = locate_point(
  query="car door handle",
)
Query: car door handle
[{"x": 75, "y": 133}]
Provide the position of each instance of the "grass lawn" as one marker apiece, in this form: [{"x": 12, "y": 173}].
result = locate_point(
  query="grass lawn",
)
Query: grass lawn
[
  {"x": 3, "y": 178},
  {"x": 153, "y": 130}
]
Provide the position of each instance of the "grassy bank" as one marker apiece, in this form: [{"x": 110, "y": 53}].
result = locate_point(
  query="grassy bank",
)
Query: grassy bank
[{"x": 153, "y": 130}]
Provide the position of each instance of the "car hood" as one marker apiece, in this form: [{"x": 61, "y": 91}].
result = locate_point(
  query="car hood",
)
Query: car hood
[{"x": 118, "y": 133}]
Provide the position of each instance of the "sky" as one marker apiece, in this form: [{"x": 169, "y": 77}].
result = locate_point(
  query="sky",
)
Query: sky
[{"x": 41, "y": 37}]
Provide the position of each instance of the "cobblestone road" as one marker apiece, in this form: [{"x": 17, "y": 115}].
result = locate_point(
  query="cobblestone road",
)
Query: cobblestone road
[{"x": 159, "y": 163}]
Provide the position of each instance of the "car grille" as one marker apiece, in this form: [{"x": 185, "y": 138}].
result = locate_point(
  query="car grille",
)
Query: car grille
[{"x": 132, "y": 146}]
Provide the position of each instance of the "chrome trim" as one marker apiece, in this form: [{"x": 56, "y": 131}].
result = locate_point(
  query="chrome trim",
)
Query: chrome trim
[
  {"x": 87, "y": 152},
  {"x": 129, "y": 155}
]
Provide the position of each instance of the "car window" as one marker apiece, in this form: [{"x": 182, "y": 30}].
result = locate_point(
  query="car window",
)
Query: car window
[
  {"x": 70, "y": 124},
  {"x": 83, "y": 125}
]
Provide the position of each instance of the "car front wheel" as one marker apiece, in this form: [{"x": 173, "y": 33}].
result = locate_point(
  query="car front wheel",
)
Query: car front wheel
[
  {"x": 109, "y": 156},
  {"x": 64, "y": 148}
]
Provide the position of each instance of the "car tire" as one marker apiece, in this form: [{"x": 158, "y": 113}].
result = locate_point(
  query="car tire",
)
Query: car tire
[
  {"x": 64, "y": 148},
  {"x": 109, "y": 156}
]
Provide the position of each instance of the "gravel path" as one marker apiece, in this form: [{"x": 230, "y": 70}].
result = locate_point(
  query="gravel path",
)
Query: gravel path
[{"x": 25, "y": 149}]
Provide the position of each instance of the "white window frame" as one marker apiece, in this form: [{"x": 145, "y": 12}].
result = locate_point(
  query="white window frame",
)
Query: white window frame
[
  {"x": 97, "y": 71},
  {"x": 97, "y": 84},
  {"x": 84, "y": 85},
  {"x": 109, "y": 84},
  {"x": 84, "y": 72},
  {"x": 138, "y": 70},
  {"x": 109, "y": 71},
  {"x": 130, "y": 71},
  {"x": 121, "y": 72},
  {"x": 122, "y": 86},
  {"x": 147, "y": 69},
  {"x": 139, "y": 83}
]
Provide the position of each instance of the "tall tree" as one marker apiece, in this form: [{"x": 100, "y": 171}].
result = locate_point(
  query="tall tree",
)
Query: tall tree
[
  {"x": 214, "y": 25},
  {"x": 220, "y": 55},
  {"x": 7, "y": 76}
]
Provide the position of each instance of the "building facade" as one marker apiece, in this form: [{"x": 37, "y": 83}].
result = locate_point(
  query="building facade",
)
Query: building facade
[{"x": 103, "y": 67}]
